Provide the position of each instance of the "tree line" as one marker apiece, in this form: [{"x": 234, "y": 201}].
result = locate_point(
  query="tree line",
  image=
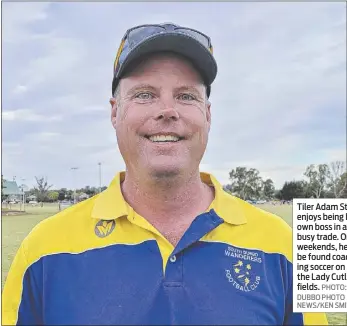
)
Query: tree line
[
  {"x": 319, "y": 181},
  {"x": 43, "y": 192}
]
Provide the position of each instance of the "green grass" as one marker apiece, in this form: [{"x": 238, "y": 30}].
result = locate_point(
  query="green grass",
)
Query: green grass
[
  {"x": 284, "y": 211},
  {"x": 16, "y": 228}
]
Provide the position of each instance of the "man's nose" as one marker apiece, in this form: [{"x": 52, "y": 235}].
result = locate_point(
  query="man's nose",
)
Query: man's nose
[{"x": 167, "y": 114}]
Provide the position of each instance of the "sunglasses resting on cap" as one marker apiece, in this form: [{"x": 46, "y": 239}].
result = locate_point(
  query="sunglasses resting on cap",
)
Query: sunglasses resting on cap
[{"x": 143, "y": 40}]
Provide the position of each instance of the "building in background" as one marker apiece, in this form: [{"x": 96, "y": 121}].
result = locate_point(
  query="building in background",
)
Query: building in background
[
  {"x": 11, "y": 191},
  {"x": 32, "y": 197}
]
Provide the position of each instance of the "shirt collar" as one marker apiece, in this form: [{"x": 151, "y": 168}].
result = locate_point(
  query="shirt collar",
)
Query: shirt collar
[
  {"x": 225, "y": 205},
  {"x": 110, "y": 204}
]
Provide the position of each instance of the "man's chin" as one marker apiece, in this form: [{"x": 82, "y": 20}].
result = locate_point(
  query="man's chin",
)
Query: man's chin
[{"x": 165, "y": 172}]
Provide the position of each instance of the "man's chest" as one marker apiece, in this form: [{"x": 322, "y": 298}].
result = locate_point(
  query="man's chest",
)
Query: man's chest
[{"x": 122, "y": 284}]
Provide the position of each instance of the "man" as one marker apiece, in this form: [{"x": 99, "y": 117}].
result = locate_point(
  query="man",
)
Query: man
[{"x": 164, "y": 244}]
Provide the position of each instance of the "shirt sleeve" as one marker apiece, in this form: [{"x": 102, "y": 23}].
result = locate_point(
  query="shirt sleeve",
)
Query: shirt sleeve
[
  {"x": 306, "y": 318},
  {"x": 22, "y": 303}
]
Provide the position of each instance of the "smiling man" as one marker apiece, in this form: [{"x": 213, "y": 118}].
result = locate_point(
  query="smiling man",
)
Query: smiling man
[
  {"x": 164, "y": 244},
  {"x": 162, "y": 118}
]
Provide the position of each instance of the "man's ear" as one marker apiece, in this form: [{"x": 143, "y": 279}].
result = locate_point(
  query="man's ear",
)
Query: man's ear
[{"x": 114, "y": 107}]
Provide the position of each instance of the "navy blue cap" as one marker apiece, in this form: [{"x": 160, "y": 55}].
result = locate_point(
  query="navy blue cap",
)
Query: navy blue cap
[{"x": 144, "y": 40}]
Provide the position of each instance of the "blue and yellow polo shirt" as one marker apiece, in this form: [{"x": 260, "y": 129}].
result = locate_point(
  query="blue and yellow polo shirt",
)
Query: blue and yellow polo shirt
[{"x": 100, "y": 263}]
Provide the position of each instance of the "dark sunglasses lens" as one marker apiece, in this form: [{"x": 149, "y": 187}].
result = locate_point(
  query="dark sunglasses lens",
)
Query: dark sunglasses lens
[
  {"x": 196, "y": 35},
  {"x": 139, "y": 34}
]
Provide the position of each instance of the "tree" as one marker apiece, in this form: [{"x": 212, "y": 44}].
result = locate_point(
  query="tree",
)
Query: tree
[
  {"x": 53, "y": 196},
  {"x": 90, "y": 191},
  {"x": 343, "y": 185},
  {"x": 41, "y": 190},
  {"x": 337, "y": 184},
  {"x": 69, "y": 195},
  {"x": 247, "y": 184},
  {"x": 61, "y": 194},
  {"x": 318, "y": 179},
  {"x": 2, "y": 187},
  {"x": 268, "y": 189},
  {"x": 278, "y": 194},
  {"x": 293, "y": 189},
  {"x": 227, "y": 188}
]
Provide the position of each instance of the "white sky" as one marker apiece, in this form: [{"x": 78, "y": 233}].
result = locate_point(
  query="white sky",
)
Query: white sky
[{"x": 278, "y": 103}]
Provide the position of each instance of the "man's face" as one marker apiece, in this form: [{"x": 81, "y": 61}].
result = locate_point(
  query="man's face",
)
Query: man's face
[{"x": 162, "y": 117}]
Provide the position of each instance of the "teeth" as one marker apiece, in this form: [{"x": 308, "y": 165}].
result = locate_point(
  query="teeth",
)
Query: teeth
[{"x": 162, "y": 138}]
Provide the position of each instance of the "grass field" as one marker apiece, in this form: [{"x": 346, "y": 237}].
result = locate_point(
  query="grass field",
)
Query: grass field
[{"x": 16, "y": 228}]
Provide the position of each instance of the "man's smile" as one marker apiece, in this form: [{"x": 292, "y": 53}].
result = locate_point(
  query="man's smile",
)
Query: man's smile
[{"x": 164, "y": 138}]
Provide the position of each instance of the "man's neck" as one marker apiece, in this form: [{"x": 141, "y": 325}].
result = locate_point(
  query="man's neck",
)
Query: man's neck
[{"x": 178, "y": 199}]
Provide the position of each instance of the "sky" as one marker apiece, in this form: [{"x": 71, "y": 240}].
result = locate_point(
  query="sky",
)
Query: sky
[{"x": 278, "y": 102}]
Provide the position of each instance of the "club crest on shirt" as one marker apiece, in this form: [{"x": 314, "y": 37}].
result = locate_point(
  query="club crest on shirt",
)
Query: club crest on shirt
[
  {"x": 242, "y": 274},
  {"x": 104, "y": 228}
]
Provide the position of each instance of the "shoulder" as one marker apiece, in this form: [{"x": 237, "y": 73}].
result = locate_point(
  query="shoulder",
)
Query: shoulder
[
  {"x": 60, "y": 232},
  {"x": 267, "y": 231},
  {"x": 259, "y": 217},
  {"x": 254, "y": 228}
]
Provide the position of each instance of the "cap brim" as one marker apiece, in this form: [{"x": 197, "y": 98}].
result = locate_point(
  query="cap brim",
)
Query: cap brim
[{"x": 184, "y": 45}]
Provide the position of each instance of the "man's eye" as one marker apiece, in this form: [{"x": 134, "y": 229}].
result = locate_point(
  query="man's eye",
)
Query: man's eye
[
  {"x": 144, "y": 96},
  {"x": 186, "y": 97}
]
